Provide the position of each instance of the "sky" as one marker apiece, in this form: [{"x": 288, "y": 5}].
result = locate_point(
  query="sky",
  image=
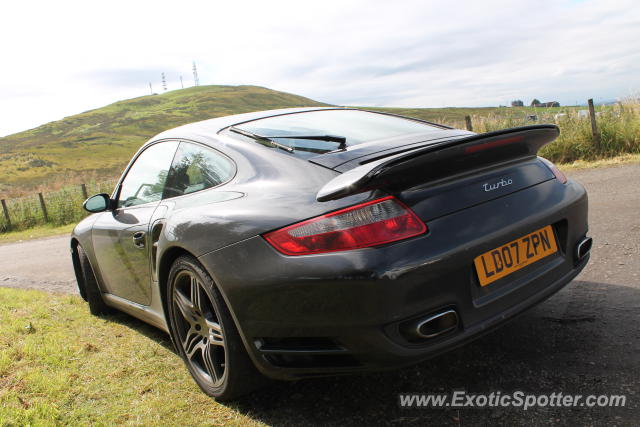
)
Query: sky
[{"x": 61, "y": 58}]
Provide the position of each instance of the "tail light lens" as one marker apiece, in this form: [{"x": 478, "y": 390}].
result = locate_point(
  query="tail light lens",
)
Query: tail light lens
[
  {"x": 554, "y": 169},
  {"x": 368, "y": 224},
  {"x": 491, "y": 144}
]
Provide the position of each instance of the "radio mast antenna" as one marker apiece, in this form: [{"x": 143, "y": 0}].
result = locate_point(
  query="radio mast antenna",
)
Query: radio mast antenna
[{"x": 196, "y": 80}]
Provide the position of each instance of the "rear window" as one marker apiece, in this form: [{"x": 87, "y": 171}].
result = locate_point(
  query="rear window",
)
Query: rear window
[{"x": 355, "y": 126}]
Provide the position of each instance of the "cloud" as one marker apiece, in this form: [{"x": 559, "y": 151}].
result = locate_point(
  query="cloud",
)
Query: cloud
[{"x": 73, "y": 55}]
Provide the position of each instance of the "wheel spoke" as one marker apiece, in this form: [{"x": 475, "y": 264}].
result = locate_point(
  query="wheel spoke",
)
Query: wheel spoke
[
  {"x": 209, "y": 362},
  {"x": 195, "y": 293},
  {"x": 192, "y": 342},
  {"x": 215, "y": 333},
  {"x": 185, "y": 306}
]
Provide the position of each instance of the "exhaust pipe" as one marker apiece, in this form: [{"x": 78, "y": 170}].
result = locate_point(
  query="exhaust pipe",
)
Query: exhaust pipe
[
  {"x": 583, "y": 247},
  {"x": 437, "y": 324}
]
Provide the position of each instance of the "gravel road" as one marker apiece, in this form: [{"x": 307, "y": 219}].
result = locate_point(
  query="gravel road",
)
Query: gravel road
[
  {"x": 584, "y": 340},
  {"x": 43, "y": 264}
]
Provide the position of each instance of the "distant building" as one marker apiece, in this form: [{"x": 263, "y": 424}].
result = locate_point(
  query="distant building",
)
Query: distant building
[
  {"x": 536, "y": 103},
  {"x": 517, "y": 103}
]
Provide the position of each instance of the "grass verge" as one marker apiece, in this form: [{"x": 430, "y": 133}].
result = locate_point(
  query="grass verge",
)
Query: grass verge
[
  {"x": 61, "y": 366},
  {"x": 602, "y": 163},
  {"x": 36, "y": 233}
]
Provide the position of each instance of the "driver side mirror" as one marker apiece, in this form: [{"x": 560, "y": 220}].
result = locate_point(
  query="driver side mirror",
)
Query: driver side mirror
[{"x": 98, "y": 203}]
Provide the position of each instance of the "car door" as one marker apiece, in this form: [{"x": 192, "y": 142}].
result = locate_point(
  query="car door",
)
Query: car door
[{"x": 121, "y": 237}]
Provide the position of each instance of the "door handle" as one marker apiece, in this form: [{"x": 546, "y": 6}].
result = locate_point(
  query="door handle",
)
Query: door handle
[{"x": 139, "y": 239}]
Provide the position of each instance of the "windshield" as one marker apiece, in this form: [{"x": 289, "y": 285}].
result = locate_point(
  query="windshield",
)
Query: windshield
[{"x": 355, "y": 126}]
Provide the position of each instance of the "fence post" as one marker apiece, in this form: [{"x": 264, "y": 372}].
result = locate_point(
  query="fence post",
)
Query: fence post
[
  {"x": 44, "y": 207},
  {"x": 6, "y": 213},
  {"x": 84, "y": 191},
  {"x": 594, "y": 127},
  {"x": 467, "y": 119}
]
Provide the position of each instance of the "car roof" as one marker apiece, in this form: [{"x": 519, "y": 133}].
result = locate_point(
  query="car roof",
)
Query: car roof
[
  {"x": 210, "y": 127},
  {"x": 206, "y": 131}
]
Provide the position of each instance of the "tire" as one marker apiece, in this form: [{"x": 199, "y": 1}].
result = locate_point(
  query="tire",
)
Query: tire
[
  {"x": 89, "y": 285},
  {"x": 205, "y": 335},
  {"x": 78, "y": 271}
]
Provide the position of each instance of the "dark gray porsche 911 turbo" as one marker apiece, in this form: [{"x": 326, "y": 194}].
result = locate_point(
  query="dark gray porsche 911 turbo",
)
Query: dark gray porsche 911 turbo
[{"x": 319, "y": 241}]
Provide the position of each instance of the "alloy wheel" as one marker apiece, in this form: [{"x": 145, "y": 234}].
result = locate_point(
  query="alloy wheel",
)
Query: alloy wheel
[{"x": 198, "y": 328}]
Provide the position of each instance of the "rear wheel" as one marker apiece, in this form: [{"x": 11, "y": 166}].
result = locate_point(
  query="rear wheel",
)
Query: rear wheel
[
  {"x": 88, "y": 286},
  {"x": 205, "y": 335}
]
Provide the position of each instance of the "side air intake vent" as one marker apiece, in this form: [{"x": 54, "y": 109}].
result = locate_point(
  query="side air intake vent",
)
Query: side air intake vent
[{"x": 305, "y": 352}]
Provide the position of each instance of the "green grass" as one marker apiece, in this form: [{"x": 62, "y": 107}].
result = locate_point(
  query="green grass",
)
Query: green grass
[
  {"x": 61, "y": 366},
  {"x": 36, "y": 233}
]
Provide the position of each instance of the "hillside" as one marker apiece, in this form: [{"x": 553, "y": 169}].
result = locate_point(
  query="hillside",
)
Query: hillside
[{"x": 98, "y": 143}]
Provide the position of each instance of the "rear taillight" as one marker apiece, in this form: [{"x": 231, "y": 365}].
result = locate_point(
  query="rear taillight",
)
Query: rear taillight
[
  {"x": 554, "y": 169},
  {"x": 368, "y": 224}
]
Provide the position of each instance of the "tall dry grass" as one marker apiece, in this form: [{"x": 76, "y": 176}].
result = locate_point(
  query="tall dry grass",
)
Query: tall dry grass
[
  {"x": 64, "y": 206},
  {"x": 618, "y": 126}
]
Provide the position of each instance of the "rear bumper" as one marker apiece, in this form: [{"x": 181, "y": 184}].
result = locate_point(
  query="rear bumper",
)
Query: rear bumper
[{"x": 338, "y": 313}]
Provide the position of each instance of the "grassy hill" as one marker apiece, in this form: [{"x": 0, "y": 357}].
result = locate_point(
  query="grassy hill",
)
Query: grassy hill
[{"x": 97, "y": 144}]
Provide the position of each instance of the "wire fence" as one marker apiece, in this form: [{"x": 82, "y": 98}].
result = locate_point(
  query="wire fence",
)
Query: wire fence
[{"x": 58, "y": 207}]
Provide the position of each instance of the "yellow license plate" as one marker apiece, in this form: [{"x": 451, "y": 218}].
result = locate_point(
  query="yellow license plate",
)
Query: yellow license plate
[{"x": 513, "y": 256}]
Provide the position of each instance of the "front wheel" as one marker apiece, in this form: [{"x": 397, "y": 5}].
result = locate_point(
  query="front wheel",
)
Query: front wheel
[
  {"x": 88, "y": 286},
  {"x": 205, "y": 334}
]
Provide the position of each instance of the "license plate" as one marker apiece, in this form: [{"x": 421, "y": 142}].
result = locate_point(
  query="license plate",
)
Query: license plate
[{"x": 513, "y": 256}]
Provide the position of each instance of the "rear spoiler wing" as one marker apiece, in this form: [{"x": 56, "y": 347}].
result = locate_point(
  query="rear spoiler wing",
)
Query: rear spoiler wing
[{"x": 440, "y": 160}]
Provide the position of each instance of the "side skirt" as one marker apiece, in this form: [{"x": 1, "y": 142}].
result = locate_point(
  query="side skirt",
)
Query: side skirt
[{"x": 152, "y": 314}]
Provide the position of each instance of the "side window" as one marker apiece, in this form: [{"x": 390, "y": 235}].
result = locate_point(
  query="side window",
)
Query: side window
[
  {"x": 146, "y": 178},
  {"x": 195, "y": 168}
]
